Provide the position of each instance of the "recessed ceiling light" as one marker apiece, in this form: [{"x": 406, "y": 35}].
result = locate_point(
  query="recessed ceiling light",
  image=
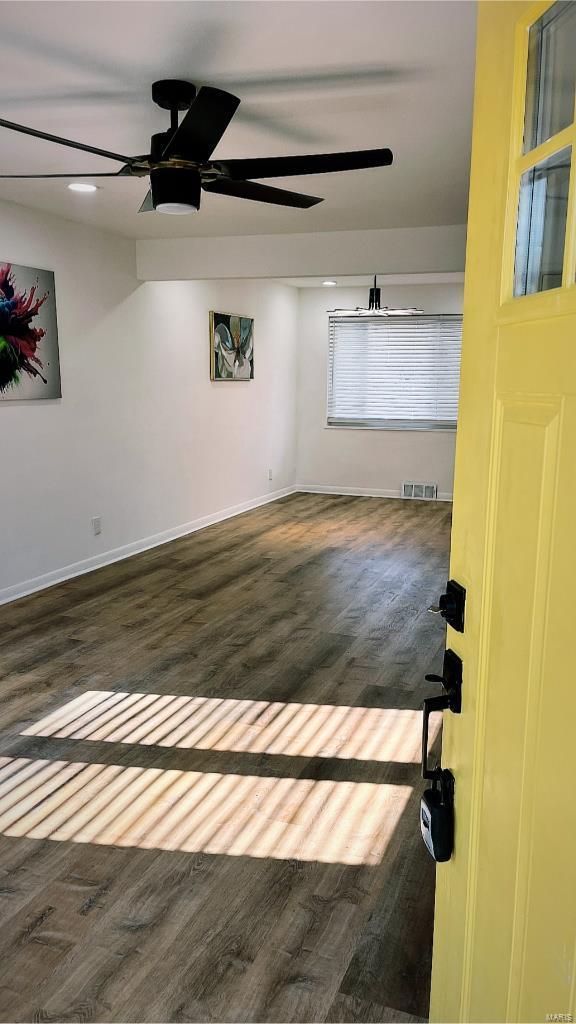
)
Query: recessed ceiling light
[
  {"x": 82, "y": 186},
  {"x": 329, "y": 284}
]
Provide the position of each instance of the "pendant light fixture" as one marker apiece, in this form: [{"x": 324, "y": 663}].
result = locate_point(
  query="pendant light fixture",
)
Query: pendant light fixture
[{"x": 374, "y": 308}]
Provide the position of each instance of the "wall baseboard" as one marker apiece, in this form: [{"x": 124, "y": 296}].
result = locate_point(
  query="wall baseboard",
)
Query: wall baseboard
[
  {"x": 362, "y": 492},
  {"x": 68, "y": 572}
]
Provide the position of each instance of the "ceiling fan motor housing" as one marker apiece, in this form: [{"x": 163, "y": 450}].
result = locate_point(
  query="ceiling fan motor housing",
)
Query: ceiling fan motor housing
[
  {"x": 175, "y": 185},
  {"x": 158, "y": 144}
]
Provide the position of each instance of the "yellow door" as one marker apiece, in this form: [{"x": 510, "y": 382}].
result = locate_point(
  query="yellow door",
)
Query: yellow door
[{"x": 505, "y": 928}]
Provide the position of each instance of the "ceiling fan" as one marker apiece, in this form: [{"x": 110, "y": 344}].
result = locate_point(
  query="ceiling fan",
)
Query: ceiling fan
[{"x": 179, "y": 164}]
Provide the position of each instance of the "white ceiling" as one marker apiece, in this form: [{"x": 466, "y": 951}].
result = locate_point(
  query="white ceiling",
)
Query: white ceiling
[{"x": 312, "y": 77}]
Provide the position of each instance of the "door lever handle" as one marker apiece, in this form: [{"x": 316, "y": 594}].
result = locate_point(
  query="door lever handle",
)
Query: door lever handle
[
  {"x": 451, "y": 699},
  {"x": 437, "y": 804},
  {"x": 440, "y": 703},
  {"x": 451, "y": 680}
]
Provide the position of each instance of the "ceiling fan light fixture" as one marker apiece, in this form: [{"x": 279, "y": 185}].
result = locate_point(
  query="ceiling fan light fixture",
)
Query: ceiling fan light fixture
[
  {"x": 82, "y": 186},
  {"x": 175, "y": 189},
  {"x": 175, "y": 208}
]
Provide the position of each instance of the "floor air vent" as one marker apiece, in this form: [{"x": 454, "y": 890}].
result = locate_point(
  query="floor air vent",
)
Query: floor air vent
[{"x": 425, "y": 492}]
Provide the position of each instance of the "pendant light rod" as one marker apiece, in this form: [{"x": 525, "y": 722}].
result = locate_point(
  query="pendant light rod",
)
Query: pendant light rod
[{"x": 374, "y": 299}]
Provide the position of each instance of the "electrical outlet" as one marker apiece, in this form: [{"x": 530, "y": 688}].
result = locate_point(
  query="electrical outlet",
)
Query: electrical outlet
[
  {"x": 96, "y": 525},
  {"x": 269, "y": 474}
]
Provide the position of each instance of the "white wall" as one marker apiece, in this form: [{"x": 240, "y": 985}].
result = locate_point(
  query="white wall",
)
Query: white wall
[
  {"x": 375, "y": 461},
  {"x": 141, "y": 435}
]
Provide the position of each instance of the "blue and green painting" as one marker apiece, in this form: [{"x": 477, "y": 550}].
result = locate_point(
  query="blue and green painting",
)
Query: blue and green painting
[{"x": 231, "y": 347}]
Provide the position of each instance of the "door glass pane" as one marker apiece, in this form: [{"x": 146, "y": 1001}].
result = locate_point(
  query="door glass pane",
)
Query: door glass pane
[
  {"x": 551, "y": 74},
  {"x": 542, "y": 225}
]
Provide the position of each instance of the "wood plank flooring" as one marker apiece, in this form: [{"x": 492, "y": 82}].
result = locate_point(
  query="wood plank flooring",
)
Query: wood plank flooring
[{"x": 209, "y": 778}]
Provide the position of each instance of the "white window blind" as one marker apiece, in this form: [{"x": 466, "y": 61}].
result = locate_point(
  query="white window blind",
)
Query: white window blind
[{"x": 394, "y": 371}]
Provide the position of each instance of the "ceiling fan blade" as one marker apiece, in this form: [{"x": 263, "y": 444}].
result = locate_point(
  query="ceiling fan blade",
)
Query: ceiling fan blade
[
  {"x": 261, "y": 193},
  {"x": 203, "y": 125},
  {"x": 64, "y": 142},
  {"x": 99, "y": 174},
  {"x": 147, "y": 205},
  {"x": 284, "y": 166}
]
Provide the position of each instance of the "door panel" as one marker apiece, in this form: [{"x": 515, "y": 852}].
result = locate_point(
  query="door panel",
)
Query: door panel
[
  {"x": 526, "y": 459},
  {"x": 505, "y": 928}
]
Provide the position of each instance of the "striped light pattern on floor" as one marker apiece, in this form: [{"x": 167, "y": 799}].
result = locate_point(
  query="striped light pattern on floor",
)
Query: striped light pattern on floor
[
  {"x": 248, "y": 726},
  {"x": 166, "y": 809}
]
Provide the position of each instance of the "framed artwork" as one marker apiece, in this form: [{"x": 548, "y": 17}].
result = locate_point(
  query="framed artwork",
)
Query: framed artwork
[
  {"x": 231, "y": 347},
  {"x": 29, "y": 361}
]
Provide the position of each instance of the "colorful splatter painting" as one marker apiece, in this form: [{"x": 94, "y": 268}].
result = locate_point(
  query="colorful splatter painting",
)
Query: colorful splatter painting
[
  {"x": 29, "y": 361},
  {"x": 231, "y": 347}
]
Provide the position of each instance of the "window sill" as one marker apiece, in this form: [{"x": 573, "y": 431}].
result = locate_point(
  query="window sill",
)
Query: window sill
[{"x": 414, "y": 428}]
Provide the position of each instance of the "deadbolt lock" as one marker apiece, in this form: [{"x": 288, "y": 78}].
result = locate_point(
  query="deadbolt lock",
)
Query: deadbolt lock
[{"x": 451, "y": 605}]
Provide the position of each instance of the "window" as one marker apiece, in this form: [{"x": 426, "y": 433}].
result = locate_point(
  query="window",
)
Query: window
[
  {"x": 551, "y": 75},
  {"x": 394, "y": 372},
  {"x": 542, "y": 225},
  {"x": 541, "y": 261}
]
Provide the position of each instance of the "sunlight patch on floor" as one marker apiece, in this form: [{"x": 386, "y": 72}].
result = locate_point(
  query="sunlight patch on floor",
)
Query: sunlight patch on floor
[
  {"x": 165, "y": 809},
  {"x": 245, "y": 726}
]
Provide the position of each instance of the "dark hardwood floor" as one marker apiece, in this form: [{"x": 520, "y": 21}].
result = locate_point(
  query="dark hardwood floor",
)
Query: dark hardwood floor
[{"x": 209, "y": 774}]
